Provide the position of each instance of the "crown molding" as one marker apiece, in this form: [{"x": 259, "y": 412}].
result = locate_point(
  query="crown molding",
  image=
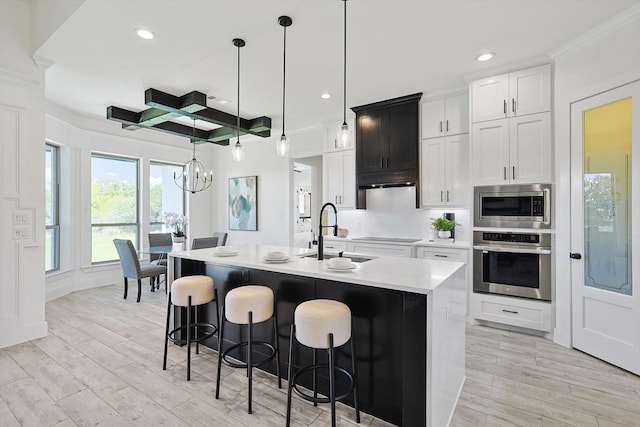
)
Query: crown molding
[
  {"x": 507, "y": 68},
  {"x": 597, "y": 32},
  {"x": 19, "y": 78}
]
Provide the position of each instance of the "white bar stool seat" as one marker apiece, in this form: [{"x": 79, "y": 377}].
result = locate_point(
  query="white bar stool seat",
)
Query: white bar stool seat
[
  {"x": 247, "y": 305},
  {"x": 322, "y": 324},
  {"x": 188, "y": 292}
]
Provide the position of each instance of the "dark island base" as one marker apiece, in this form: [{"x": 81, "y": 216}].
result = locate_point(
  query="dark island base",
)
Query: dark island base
[{"x": 390, "y": 329}]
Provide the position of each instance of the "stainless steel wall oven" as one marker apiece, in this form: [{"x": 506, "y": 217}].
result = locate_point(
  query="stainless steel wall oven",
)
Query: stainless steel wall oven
[{"x": 514, "y": 264}]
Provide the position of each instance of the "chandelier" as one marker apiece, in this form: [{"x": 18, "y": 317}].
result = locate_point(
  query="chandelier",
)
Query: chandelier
[{"x": 193, "y": 178}]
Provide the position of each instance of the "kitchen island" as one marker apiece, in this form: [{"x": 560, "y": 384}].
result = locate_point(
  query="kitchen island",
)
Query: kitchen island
[{"x": 408, "y": 314}]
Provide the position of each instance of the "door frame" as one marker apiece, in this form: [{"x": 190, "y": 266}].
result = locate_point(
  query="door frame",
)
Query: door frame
[{"x": 562, "y": 305}]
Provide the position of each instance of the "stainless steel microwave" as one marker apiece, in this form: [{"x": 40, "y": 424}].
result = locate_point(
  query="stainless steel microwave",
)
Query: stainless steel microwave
[{"x": 513, "y": 206}]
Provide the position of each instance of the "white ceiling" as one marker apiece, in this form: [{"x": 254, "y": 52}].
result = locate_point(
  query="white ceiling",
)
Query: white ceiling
[{"x": 395, "y": 47}]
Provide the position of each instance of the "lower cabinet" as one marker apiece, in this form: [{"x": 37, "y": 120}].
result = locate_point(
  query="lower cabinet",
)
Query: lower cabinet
[
  {"x": 335, "y": 246},
  {"x": 366, "y": 248},
  {"x": 520, "y": 312}
]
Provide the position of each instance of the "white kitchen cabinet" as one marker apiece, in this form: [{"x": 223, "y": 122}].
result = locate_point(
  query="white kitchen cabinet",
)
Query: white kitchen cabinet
[
  {"x": 520, "y": 312},
  {"x": 512, "y": 151},
  {"x": 339, "y": 176},
  {"x": 335, "y": 246},
  {"x": 382, "y": 249},
  {"x": 512, "y": 95},
  {"x": 331, "y": 137},
  {"x": 447, "y": 116},
  {"x": 445, "y": 171},
  {"x": 442, "y": 254}
]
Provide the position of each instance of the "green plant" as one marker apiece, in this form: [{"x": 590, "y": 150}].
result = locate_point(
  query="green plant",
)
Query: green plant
[{"x": 443, "y": 224}]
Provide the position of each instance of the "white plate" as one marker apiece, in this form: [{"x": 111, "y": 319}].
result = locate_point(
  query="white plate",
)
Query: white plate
[
  {"x": 225, "y": 253},
  {"x": 351, "y": 267},
  {"x": 275, "y": 260}
]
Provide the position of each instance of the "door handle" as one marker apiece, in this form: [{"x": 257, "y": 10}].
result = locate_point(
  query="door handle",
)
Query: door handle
[
  {"x": 440, "y": 126},
  {"x": 447, "y": 125},
  {"x": 441, "y": 198},
  {"x": 513, "y": 105},
  {"x": 381, "y": 163},
  {"x": 513, "y": 174},
  {"x": 575, "y": 255},
  {"x": 504, "y": 107},
  {"x": 447, "y": 195},
  {"x": 504, "y": 173}
]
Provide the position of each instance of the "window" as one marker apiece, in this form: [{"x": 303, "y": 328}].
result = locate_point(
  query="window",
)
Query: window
[
  {"x": 52, "y": 208},
  {"x": 114, "y": 205},
  {"x": 164, "y": 195}
]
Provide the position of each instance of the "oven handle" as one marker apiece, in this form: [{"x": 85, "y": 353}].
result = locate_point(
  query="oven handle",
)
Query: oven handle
[{"x": 512, "y": 250}]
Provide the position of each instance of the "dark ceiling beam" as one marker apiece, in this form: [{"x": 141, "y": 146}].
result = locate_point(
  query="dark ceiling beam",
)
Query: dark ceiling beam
[{"x": 166, "y": 107}]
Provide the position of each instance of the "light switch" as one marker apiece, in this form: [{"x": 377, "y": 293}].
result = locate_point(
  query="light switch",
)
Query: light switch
[
  {"x": 17, "y": 218},
  {"x": 16, "y": 233}
]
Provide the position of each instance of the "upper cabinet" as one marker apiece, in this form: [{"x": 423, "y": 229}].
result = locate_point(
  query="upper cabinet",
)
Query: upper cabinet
[
  {"x": 512, "y": 151},
  {"x": 444, "y": 117},
  {"x": 387, "y": 145},
  {"x": 510, "y": 95},
  {"x": 339, "y": 172},
  {"x": 445, "y": 171}
]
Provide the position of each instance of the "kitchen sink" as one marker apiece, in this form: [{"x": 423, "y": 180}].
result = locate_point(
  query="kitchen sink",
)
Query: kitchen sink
[{"x": 354, "y": 257}]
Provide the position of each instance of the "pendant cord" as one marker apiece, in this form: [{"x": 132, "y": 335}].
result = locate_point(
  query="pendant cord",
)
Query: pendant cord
[
  {"x": 238, "y": 116},
  {"x": 284, "y": 71},
  {"x": 344, "y": 62},
  {"x": 194, "y": 139}
]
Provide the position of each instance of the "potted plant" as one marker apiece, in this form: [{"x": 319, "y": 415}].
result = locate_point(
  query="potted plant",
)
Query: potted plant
[
  {"x": 177, "y": 224},
  {"x": 444, "y": 227}
]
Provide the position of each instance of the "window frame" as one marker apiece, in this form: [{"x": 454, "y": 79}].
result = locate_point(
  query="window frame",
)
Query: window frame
[
  {"x": 55, "y": 205},
  {"x": 184, "y": 198},
  {"x": 136, "y": 243}
]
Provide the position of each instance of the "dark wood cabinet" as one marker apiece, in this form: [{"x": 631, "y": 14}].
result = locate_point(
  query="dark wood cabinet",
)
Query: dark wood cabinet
[{"x": 387, "y": 139}]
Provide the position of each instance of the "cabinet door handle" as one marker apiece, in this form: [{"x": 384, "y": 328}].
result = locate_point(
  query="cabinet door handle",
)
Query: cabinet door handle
[
  {"x": 336, "y": 200},
  {"x": 340, "y": 199},
  {"x": 447, "y": 195},
  {"x": 513, "y": 105},
  {"x": 513, "y": 173},
  {"x": 504, "y": 107},
  {"x": 447, "y": 126},
  {"x": 504, "y": 173},
  {"x": 335, "y": 142},
  {"x": 441, "y": 196},
  {"x": 387, "y": 162},
  {"x": 440, "y": 126},
  {"x": 509, "y": 311},
  {"x": 441, "y": 256},
  {"x": 381, "y": 162}
]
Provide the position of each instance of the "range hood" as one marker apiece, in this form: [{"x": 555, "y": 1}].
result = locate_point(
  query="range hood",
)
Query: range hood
[{"x": 387, "y": 139}]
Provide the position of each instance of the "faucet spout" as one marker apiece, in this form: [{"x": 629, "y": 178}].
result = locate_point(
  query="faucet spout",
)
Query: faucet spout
[{"x": 321, "y": 226}]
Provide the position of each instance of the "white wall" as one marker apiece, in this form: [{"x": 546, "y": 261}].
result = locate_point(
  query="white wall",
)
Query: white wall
[
  {"x": 76, "y": 147},
  {"x": 21, "y": 186},
  {"x": 602, "y": 59},
  {"x": 275, "y": 184}
]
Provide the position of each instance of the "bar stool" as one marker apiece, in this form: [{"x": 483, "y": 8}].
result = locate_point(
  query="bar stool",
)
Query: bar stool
[
  {"x": 248, "y": 305},
  {"x": 322, "y": 324},
  {"x": 188, "y": 292}
]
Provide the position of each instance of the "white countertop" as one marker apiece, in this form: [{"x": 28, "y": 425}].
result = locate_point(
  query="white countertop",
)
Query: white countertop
[
  {"x": 397, "y": 273},
  {"x": 436, "y": 243}
]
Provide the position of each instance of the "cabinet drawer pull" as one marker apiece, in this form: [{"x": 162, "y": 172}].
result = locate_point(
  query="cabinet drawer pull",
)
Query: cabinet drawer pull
[
  {"x": 509, "y": 311},
  {"x": 441, "y": 256},
  {"x": 504, "y": 173},
  {"x": 504, "y": 108}
]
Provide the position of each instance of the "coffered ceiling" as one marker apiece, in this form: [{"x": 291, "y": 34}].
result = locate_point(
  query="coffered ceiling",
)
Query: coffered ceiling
[{"x": 395, "y": 47}]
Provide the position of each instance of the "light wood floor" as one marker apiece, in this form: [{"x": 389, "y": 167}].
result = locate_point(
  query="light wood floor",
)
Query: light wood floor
[{"x": 102, "y": 365}]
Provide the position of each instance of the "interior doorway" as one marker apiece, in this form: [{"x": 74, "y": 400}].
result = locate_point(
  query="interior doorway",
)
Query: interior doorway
[
  {"x": 307, "y": 196},
  {"x": 605, "y": 191}
]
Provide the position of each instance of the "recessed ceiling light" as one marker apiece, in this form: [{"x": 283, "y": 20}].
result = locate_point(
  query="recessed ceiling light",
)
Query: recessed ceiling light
[
  {"x": 144, "y": 34},
  {"x": 485, "y": 56},
  {"x": 325, "y": 96}
]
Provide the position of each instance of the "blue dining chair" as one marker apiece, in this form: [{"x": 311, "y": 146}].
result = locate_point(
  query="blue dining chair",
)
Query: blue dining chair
[{"x": 131, "y": 268}]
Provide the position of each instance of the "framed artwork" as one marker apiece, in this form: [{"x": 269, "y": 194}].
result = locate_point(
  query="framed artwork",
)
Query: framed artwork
[{"x": 243, "y": 203}]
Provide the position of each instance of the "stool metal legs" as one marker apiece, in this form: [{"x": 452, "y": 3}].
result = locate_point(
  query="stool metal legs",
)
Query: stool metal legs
[
  {"x": 314, "y": 367},
  {"x": 250, "y": 364}
]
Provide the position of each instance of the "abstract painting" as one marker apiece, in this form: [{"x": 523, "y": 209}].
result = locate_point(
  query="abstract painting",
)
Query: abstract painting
[{"x": 243, "y": 203}]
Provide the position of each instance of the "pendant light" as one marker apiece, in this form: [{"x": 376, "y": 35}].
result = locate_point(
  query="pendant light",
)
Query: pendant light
[
  {"x": 282, "y": 147},
  {"x": 344, "y": 133},
  {"x": 193, "y": 178},
  {"x": 237, "y": 152}
]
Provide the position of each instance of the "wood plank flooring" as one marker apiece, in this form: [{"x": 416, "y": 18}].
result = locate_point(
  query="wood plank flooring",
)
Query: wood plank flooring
[{"x": 102, "y": 365}]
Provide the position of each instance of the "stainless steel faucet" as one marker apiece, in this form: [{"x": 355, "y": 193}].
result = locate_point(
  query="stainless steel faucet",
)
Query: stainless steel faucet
[{"x": 335, "y": 229}]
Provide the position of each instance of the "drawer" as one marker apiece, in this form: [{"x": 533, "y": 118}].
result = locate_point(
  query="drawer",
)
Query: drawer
[
  {"x": 383, "y": 250},
  {"x": 512, "y": 311},
  {"x": 443, "y": 254},
  {"x": 333, "y": 246}
]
